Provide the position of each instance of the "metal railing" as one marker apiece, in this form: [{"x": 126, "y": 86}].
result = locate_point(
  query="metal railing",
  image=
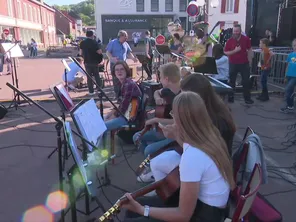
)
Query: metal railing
[{"x": 278, "y": 64}]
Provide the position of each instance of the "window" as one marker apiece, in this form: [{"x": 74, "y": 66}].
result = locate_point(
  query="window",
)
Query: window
[
  {"x": 19, "y": 10},
  {"x": 34, "y": 15},
  {"x": 30, "y": 13},
  {"x": 154, "y": 5},
  {"x": 140, "y": 6},
  {"x": 38, "y": 15},
  {"x": 182, "y": 5},
  {"x": 9, "y": 7},
  {"x": 169, "y": 5},
  {"x": 25, "y": 11},
  {"x": 229, "y": 6}
]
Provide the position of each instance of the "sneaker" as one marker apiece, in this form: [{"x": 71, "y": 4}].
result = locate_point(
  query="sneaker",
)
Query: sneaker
[
  {"x": 91, "y": 94},
  {"x": 146, "y": 178},
  {"x": 287, "y": 109},
  {"x": 151, "y": 194},
  {"x": 249, "y": 101}
]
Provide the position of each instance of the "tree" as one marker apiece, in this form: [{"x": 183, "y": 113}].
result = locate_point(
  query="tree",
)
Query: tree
[{"x": 85, "y": 9}]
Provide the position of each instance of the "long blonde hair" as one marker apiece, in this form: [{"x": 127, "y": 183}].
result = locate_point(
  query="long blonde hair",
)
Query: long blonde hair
[{"x": 196, "y": 128}]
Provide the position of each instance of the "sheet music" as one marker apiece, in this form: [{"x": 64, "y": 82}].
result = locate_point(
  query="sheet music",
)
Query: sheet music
[
  {"x": 15, "y": 51},
  {"x": 90, "y": 122},
  {"x": 66, "y": 65},
  {"x": 64, "y": 92},
  {"x": 76, "y": 155}
]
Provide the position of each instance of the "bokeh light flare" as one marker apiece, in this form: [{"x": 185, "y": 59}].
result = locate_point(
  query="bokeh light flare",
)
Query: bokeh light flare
[
  {"x": 38, "y": 214},
  {"x": 57, "y": 201}
]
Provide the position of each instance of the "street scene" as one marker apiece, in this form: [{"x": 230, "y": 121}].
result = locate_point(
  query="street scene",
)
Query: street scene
[{"x": 72, "y": 146}]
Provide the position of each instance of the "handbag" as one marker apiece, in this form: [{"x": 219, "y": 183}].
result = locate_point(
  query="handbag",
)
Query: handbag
[{"x": 3, "y": 111}]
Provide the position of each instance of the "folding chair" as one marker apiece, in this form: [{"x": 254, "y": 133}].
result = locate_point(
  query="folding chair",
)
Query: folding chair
[{"x": 246, "y": 200}]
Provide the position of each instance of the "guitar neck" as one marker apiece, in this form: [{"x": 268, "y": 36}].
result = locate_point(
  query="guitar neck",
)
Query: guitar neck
[{"x": 116, "y": 207}]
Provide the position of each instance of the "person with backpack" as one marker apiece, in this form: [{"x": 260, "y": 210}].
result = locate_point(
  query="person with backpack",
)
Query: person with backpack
[{"x": 150, "y": 45}]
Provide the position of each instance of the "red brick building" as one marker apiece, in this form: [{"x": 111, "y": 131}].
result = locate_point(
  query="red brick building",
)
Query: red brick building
[{"x": 28, "y": 19}]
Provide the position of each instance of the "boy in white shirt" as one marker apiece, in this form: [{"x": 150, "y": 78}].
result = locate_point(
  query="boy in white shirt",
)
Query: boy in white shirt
[{"x": 74, "y": 77}]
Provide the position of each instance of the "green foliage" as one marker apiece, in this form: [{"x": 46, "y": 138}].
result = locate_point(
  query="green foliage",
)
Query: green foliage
[{"x": 85, "y": 9}]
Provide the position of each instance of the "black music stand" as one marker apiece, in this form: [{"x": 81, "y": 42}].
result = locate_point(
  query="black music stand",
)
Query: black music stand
[
  {"x": 144, "y": 62},
  {"x": 59, "y": 126},
  {"x": 81, "y": 167},
  {"x": 162, "y": 50},
  {"x": 206, "y": 65},
  {"x": 107, "y": 180},
  {"x": 66, "y": 105},
  {"x": 14, "y": 51}
]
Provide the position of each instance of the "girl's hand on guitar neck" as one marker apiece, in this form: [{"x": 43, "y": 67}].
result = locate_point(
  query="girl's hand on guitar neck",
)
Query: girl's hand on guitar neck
[{"x": 133, "y": 205}]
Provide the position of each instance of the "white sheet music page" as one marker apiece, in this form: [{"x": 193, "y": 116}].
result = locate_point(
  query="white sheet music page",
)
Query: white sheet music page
[
  {"x": 90, "y": 122},
  {"x": 15, "y": 50}
]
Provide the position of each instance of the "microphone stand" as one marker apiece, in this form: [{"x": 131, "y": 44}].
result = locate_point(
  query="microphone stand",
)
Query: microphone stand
[
  {"x": 107, "y": 180},
  {"x": 59, "y": 127}
]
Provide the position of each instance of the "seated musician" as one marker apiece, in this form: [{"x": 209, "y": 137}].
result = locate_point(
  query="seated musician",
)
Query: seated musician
[
  {"x": 206, "y": 176},
  {"x": 219, "y": 113},
  {"x": 128, "y": 90},
  {"x": 153, "y": 140}
]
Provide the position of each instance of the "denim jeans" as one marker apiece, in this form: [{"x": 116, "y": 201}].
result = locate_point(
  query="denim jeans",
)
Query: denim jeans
[
  {"x": 244, "y": 70},
  {"x": 115, "y": 123},
  {"x": 93, "y": 70},
  {"x": 289, "y": 90},
  {"x": 151, "y": 141},
  {"x": 263, "y": 78}
]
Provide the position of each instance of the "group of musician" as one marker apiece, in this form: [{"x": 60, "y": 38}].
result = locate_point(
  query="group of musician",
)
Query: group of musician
[{"x": 199, "y": 122}]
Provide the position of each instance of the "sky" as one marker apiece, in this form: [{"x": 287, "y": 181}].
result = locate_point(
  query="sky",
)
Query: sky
[{"x": 62, "y": 2}]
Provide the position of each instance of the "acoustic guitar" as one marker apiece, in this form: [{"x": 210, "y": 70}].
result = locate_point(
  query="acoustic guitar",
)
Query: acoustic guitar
[
  {"x": 160, "y": 112},
  {"x": 132, "y": 111},
  {"x": 146, "y": 162},
  {"x": 164, "y": 188}
]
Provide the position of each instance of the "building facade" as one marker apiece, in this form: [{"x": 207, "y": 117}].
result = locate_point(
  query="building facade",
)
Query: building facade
[
  {"x": 135, "y": 16},
  {"x": 228, "y": 12},
  {"x": 28, "y": 19}
]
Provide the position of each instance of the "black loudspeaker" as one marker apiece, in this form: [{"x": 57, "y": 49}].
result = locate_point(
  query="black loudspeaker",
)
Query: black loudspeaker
[
  {"x": 3, "y": 111},
  {"x": 287, "y": 28}
]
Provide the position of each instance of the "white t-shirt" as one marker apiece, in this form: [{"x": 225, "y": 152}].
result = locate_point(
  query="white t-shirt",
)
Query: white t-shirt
[
  {"x": 222, "y": 68},
  {"x": 197, "y": 166},
  {"x": 74, "y": 69}
]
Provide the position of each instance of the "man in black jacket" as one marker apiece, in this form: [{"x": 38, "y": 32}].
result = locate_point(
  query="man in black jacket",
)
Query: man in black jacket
[{"x": 92, "y": 54}]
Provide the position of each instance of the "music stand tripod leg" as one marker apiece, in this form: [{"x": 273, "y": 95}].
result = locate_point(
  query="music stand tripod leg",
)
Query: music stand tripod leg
[{"x": 59, "y": 127}]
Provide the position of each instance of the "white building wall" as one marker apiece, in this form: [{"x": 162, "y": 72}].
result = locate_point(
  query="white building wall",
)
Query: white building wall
[
  {"x": 116, "y": 7},
  {"x": 109, "y": 7},
  {"x": 229, "y": 18}
]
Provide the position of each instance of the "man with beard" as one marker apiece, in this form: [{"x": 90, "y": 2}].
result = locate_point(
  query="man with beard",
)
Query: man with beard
[{"x": 238, "y": 49}]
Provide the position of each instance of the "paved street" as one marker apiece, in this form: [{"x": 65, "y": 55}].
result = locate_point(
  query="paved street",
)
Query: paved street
[{"x": 28, "y": 177}]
